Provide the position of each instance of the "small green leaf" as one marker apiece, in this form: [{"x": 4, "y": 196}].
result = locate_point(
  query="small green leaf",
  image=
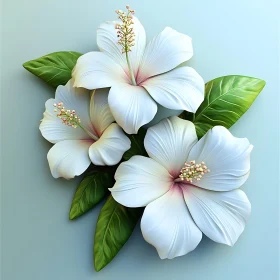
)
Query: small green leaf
[
  {"x": 114, "y": 227},
  {"x": 90, "y": 192},
  {"x": 226, "y": 100},
  {"x": 137, "y": 145},
  {"x": 55, "y": 68}
]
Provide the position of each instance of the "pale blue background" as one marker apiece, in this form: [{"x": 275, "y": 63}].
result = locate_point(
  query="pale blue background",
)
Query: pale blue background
[{"x": 38, "y": 241}]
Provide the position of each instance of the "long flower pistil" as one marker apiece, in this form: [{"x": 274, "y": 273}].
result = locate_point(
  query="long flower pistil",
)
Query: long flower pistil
[
  {"x": 70, "y": 118},
  {"x": 126, "y": 35},
  {"x": 192, "y": 171}
]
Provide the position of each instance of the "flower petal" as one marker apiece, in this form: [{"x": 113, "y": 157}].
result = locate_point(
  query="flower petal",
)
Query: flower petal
[
  {"x": 77, "y": 99},
  {"x": 52, "y": 127},
  {"x": 179, "y": 89},
  {"x": 139, "y": 181},
  {"x": 54, "y": 130},
  {"x": 169, "y": 143},
  {"x": 163, "y": 113},
  {"x": 227, "y": 157},
  {"x": 107, "y": 42},
  {"x": 69, "y": 158},
  {"x": 168, "y": 226},
  {"x": 165, "y": 52},
  {"x": 100, "y": 113},
  {"x": 220, "y": 215},
  {"x": 97, "y": 70},
  {"x": 109, "y": 149},
  {"x": 131, "y": 106}
]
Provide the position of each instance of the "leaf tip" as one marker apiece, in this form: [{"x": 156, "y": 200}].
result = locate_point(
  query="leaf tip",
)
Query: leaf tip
[
  {"x": 72, "y": 218},
  {"x": 263, "y": 83},
  {"x": 72, "y": 214},
  {"x": 98, "y": 268},
  {"x": 25, "y": 65},
  {"x": 99, "y": 265}
]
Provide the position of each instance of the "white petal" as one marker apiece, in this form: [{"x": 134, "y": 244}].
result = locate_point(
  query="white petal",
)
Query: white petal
[
  {"x": 109, "y": 149},
  {"x": 54, "y": 130},
  {"x": 69, "y": 158},
  {"x": 220, "y": 215},
  {"x": 166, "y": 51},
  {"x": 179, "y": 89},
  {"x": 169, "y": 143},
  {"x": 76, "y": 99},
  {"x": 97, "y": 70},
  {"x": 163, "y": 113},
  {"x": 227, "y": 157},
  {"x": 169, "y": 227},
  {"x": 131, "y": 106},
  {"x": 107, "y": 42},
  {"x": 100, "y": 113},
  {"x": 139, "y": 181}
]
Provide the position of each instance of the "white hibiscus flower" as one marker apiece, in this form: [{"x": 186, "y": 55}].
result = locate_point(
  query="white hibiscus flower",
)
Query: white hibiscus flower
[
  {"x": 190, "y": 187},
  {"x": 140, "y": 76},
  {"x": 82, "y": 129}
]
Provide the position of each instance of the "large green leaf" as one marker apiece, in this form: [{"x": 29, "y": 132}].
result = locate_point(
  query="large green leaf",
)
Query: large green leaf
[
  {"x": 54, "y": 68},
  {"x": 137, "y": 144},
  {"x": 114, "y": 227},
  {"x": 226, "y": 100},
  {"x": 90, "y": 191}
]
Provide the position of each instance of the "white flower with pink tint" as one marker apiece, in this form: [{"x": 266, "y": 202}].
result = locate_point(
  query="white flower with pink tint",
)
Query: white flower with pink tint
[
  {"x": 189, "y": 187},
  {"x": 140, "y": 76},
  {"x": 82, "y": 129}
]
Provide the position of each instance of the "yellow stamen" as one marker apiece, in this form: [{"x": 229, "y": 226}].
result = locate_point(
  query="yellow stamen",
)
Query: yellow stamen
[
  {"x": 126, "y": 36},
  {"x": 192, "y": 171},
  {"x": 70, "y": 118}
]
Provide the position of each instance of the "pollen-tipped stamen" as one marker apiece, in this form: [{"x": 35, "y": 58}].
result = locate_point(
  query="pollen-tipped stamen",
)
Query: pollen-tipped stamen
[
  {"x": 126, "y": 36},
  {"x": 70, "y": 118},
  {"x": 192, "y": 171}
]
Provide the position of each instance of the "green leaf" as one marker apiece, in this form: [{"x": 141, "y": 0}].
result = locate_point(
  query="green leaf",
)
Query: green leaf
[
  {"x": 137, "y": 145},
  {"x": 114, "y": 227},
  {"x": 55, "y": 68},
  {"x": 90, "y": 192},
  {"x": 226, "y": 100}
]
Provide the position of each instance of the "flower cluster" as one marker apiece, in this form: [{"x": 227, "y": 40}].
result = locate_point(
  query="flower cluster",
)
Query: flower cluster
[
  {"x": 125, "y": 30},
  {"x": 113, "y": 93}
]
